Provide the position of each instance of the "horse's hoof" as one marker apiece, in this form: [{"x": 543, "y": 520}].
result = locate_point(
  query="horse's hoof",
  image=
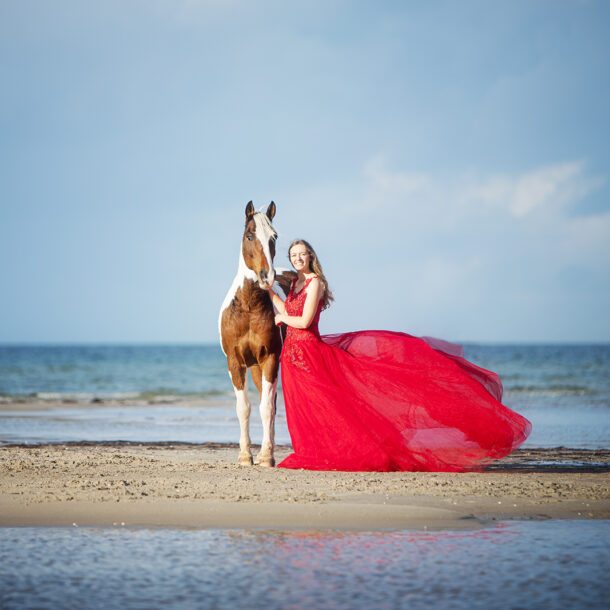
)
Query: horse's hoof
[
  {"x": 266, "y": 461},
  {"x": 245, "y": 459}
]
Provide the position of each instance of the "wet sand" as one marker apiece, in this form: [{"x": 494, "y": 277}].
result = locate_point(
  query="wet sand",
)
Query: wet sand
[{"x": 201, "y": 486}]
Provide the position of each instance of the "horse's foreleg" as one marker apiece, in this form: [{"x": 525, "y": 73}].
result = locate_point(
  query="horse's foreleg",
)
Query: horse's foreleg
[
  {"x": 267, "y": 411},
  {"x": 243, "y": 414},
  {"x": 240, "y": 387}
]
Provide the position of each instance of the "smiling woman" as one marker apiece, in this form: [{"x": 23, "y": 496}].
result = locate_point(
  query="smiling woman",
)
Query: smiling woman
[
  {"x": 382, "y": 400},
  {"x": 304, "y": 258}
]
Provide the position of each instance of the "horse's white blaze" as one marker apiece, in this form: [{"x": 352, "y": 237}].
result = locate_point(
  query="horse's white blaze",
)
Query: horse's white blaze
[
  {"x": 264, "y": 233},
  {"x": 267, "y": 412},
  {"x": 243, "y": 415}
]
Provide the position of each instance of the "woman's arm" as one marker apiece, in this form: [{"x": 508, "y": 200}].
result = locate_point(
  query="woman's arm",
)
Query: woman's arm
[
  {"x": 314, "y": 292},
  {"x": 277, "y": 301}
]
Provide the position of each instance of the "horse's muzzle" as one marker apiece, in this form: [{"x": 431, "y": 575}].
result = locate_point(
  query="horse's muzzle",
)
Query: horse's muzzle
[{"x": 266, "y": 278}]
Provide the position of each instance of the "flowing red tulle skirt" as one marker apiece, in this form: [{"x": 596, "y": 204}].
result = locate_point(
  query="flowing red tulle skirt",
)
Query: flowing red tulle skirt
[{"x": 383, "y": 401}]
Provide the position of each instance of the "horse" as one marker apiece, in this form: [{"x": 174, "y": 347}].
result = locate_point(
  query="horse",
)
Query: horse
[{"x": 249, "y": 336}]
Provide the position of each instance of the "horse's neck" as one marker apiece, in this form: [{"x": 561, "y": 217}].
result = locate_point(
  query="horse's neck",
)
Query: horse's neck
[
  {"x": 251, "y": 296},
  {"x": 243, "y": 271},
  {"x": 250, "y": 288}
]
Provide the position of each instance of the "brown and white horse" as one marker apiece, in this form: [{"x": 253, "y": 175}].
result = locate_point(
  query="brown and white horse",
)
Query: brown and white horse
[{"x": 248, "y": 334}]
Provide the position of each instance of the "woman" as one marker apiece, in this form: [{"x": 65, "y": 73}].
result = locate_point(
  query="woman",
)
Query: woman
[{"x": 382, "y": 400}]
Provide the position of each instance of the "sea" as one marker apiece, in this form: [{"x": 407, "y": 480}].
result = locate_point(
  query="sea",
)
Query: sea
[{"x": 181, "y": 393}]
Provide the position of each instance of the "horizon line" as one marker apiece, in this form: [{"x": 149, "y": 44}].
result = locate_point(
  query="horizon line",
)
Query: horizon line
[{"x": 103, "y": 343}]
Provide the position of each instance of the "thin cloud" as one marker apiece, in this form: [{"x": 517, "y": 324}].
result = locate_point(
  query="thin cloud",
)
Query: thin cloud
[{"x": 557, "y": 185}]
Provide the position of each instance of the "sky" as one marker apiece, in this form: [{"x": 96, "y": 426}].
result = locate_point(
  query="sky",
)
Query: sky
[{"x": 449, "y": 162}]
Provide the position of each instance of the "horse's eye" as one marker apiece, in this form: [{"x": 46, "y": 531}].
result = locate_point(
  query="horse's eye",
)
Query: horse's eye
[{"x": 249, "y": 236}]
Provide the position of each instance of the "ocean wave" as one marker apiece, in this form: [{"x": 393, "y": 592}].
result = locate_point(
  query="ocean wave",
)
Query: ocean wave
[
  {"x": 550, "y": 389},
  {"x": 148, "y": 396},
  {"x": 84, "y": 396}
]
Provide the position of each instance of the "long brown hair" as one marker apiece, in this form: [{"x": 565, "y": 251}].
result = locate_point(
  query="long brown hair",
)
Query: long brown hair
[{"x": 315, "y": 267}]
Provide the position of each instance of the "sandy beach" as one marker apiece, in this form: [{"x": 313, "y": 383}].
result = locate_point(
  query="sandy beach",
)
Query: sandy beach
[{"x": 201, "y": 486}]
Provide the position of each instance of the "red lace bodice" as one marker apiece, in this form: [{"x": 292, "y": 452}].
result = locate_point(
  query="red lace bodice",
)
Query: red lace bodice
[
  {"x": 292, "y": 352},
  {"x": 295, "y": 302}
]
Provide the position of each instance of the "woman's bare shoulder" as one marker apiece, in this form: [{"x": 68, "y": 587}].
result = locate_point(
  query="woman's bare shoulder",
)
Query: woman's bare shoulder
[{"x": 317, "y": 283}]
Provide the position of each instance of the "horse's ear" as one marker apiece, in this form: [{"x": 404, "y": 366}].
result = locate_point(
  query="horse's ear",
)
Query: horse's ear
[
  {"x": 249, "y": 210},
  {"x": 271, "y": 211}
]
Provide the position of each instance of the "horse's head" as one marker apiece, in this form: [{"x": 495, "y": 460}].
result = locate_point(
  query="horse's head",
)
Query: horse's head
[{"x": 258, "y": 244}]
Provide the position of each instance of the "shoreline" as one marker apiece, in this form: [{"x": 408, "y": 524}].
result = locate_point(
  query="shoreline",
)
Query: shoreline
[
  {"x": 31, "y": 403},
  {"x": 200, "y": 486}
]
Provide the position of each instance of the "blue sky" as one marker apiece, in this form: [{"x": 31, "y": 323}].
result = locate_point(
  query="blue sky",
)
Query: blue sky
[{"x": 448, "y": 160}]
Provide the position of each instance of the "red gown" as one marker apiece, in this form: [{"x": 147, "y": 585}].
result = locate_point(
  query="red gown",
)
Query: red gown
[{"x": 381, "y": 401}]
